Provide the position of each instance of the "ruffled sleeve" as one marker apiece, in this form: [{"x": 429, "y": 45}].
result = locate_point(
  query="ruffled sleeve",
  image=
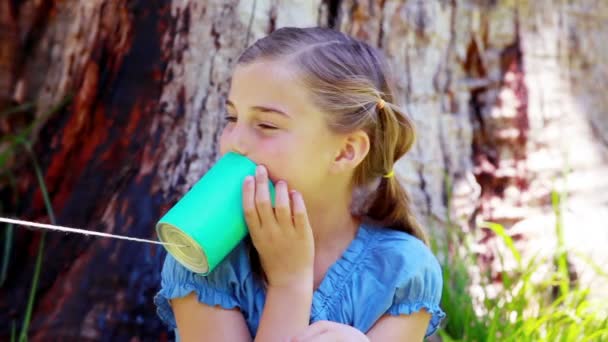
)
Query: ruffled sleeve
[
  {"x": 420, "y": 287},
  {"x": 220, "y": 287}
]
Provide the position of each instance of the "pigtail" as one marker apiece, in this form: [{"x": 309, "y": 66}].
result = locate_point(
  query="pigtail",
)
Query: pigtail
[{"x": 390, "y": 203}]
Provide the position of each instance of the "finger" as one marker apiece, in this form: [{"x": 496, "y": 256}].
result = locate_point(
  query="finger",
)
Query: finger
[
  {"x": 291, "y": 192},
  {"x": 262, "y": 196},
  {"x": 300, "y": 217},
  {"x": 313, "y": 331},
  {"x": 282, "y": 208},
  {"x": 251, "y": 214}
]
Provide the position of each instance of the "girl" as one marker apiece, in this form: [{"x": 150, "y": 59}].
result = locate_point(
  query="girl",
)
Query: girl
[{"x": 340, "y": 257}]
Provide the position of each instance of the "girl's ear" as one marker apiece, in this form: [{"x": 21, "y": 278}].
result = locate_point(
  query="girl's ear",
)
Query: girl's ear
[{"x": 352, "y": 151}]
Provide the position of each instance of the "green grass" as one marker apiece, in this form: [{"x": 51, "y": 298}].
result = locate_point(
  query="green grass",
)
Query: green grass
[
  {"x": 12, "y": 143},
  {"x": 8, "y": 239},
  {"x": 522, "y": 310},
  {"x": 38, "y": 265}
]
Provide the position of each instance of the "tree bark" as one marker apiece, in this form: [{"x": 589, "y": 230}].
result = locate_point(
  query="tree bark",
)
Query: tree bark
[{"x": 147, "y": 81}]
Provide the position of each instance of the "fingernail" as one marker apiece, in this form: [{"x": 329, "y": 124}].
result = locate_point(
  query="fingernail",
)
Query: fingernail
[{"x": 260, "y": 170}]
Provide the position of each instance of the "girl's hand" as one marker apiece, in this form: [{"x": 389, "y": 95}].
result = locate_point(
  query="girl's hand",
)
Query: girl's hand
[
  {"x": 282, "y": 237},
  {"x": 327, "y": 331}
]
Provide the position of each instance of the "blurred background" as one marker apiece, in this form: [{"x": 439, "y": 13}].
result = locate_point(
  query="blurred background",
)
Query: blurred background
[{"x": 110, "y": 110}]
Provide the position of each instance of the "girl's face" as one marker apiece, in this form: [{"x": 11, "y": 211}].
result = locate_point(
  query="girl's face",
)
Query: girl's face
[{"x": 271, "y": 120}]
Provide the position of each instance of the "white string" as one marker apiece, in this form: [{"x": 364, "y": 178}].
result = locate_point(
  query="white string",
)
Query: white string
[{"x": 81, "y": 231}]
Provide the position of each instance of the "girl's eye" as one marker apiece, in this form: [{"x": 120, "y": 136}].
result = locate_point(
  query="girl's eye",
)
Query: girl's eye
[
  {"x": 267, "y": 126},
  {"x": 264, "y": 126}
]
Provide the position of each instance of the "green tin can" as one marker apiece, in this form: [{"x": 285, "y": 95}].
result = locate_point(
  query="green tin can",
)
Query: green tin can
[{"x": 208, "y": 222}]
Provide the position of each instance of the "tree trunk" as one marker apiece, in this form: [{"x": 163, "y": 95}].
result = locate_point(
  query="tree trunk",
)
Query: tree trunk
[
  {"x": 148, "y": 81},
  {"x": 145, "y": 83}
]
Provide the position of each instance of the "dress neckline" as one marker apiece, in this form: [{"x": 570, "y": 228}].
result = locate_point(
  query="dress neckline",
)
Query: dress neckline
[{"x": 337, "y": 274}]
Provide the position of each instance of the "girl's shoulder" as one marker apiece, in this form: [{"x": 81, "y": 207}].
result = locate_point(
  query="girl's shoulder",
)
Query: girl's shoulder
[
  {"x": 226, "y": 285},
  {"x": 399, "y": 255},
  {"x": 399, "y": 274},
  {"x": 397, "y": 245}
]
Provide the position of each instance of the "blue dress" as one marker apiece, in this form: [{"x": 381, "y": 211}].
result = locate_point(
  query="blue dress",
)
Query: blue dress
[{"x": 382, "y": 271}]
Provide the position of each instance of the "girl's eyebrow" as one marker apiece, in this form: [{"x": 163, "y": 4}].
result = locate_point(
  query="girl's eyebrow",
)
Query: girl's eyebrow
[{"x": 263, "y": 109}]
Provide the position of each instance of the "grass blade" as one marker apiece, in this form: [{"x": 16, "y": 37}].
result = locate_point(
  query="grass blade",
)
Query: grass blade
[
  {"x": 8, "y": 240},
  {"x": 13, "y": 332},
  {"x": 25, "y": 107},
  {"x": 38, "y": 265},
  {"x": 562, "y": 257},
  {"x": 500, "y": 231}
]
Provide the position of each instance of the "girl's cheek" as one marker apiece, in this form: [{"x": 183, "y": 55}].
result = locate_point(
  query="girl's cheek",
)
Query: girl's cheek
[
  {"x": 273, "y": 146},
  {"x": 223, "y": 142}
]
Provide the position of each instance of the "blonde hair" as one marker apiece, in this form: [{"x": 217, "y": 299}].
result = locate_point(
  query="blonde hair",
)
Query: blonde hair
[{"x": 347, "y": 79}]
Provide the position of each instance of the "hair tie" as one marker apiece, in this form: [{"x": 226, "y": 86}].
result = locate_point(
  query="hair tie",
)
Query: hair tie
[
  {"x": 381, "y": 104},
  {"x": 390, "y": 174}
]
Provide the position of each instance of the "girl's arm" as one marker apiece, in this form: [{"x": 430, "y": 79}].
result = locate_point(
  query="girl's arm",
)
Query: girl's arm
[
  {"x": 283, "y": 238},
  {"x": 405, "y": 328},
  {"x": 400, "y": 328},
  {"x": 286, "y": 312},
  {"x": 200, "y": 322}
]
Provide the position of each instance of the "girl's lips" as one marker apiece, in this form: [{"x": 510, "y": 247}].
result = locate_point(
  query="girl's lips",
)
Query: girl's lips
[{"x": 271, "y": 176}]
